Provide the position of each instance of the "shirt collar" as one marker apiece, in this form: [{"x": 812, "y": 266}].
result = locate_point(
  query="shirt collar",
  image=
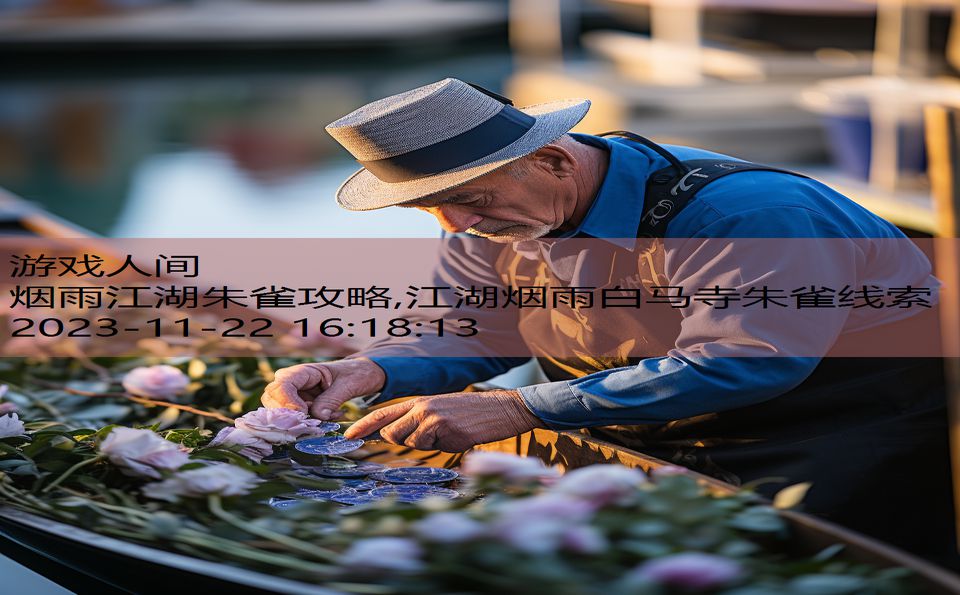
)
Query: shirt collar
[{"x": 618, "y": 206}]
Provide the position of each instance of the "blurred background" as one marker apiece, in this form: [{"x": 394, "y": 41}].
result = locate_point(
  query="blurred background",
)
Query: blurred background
[{"x": 165, "y": 118}]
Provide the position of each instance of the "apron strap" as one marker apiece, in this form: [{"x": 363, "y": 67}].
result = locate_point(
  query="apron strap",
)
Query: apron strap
[{"x": 669, "y": 190}]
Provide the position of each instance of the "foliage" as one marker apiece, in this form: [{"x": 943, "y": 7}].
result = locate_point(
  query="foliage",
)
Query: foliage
[{"x": 588, "y": 532}]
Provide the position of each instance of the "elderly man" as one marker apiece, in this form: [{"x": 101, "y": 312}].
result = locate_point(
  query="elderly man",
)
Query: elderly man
[{"x": 869, "y": 434}]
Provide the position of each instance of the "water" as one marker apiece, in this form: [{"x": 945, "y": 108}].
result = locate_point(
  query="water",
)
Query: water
[{"x": 230, "y": 147}]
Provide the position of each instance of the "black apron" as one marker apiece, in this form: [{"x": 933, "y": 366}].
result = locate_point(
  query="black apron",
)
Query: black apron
[{"x": 870, "y": 434}]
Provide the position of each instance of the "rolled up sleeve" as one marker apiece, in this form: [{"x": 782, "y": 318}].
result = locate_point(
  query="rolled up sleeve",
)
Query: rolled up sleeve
[{"x": 417, "y": 366}]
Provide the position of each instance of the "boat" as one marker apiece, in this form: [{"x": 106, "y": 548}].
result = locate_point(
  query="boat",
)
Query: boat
[{"x": 84, "y": 561}]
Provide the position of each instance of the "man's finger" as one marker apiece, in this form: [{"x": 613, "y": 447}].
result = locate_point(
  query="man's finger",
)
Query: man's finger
[
  {"x": 276, "y": 396},
  {"x": 377, "y": 419},
  {"x": 328, "y": 402},
  {"x": 398, "y": 431},
  {"x": 423, "y": 437}
]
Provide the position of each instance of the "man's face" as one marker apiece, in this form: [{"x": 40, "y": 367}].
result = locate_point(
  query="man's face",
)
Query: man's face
[{"x": 506, "y": 205}]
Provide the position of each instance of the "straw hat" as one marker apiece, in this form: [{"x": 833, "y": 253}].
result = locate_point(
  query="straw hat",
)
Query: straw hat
[{"x": 435, "y": 137}]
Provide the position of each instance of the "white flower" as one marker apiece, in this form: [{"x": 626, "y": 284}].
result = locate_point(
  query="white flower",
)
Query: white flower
[
  {"x": 690, "y": 570},
  {"x": 584, "y": 539},
  {"x": 10, "y": 426},
  {"x": 254, "y": 447},
  {"x": 600, "y": 484},
  {"x": 142, "y": 452},
  {"x": 280, "y": 426},
  {"x": 537, "y": 525},
  {"x": 219, "y": 478},
  {"x": 511, "y": 468},
  {"x": 377, "y": 554},
  {"x": 155, "y": 382},
  {"x": 669, "y": 470},
  {"x": 448, "y": 527}
]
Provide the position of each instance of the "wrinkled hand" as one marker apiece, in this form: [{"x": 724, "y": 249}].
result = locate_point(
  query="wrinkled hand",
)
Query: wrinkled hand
[
  {"x": 320, "y": 388},
  {"x": 453, "y": 422}
]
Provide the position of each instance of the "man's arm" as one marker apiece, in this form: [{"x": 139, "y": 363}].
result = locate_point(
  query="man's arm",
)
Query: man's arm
[{"x": 416, "y": 366}]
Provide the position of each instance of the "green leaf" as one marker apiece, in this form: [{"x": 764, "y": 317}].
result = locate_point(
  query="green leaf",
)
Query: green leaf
[
  {"x": 196, "y": 369},
  {"x": 314, "y": 483},
  {"x": 829, "y": 552},
  {"x": 759, "y": 519},
  {"x": 225, "y": 455},
  {"x": 233, "y": 389},
  {"x": 102, "y": 432},
  {"x": 106, "y": 411},
  {"x": 268, "y": 490},
  {"x": 827, "y": 584},
  {"x": 791, "y": 496}
]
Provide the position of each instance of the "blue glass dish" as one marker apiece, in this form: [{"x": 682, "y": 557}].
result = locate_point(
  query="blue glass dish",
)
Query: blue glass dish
[
  {"x": 355, "y": 498},
  {"x": 413, "y": 492},
  {"x": 359, "y": 470},
  {"x": 327, "y": 427},
  {"x": 361, "y": 485},
  {"x": 283, "y": 503},
  {"x": 325, "y": 495},
  {"x": 312, "y": 451},
  {"x": 408, "y": 475}
]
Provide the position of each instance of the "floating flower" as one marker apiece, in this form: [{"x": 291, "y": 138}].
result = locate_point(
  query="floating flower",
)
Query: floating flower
[
  {"x": 537, "y": 525},
  {"x": 600, "y": 484},
  {"x": 281, "y": 426},
  {"x": 669, "y": 470},
  {"x": 584, "y": 539},
  {"x": 448, "y": 527},
  {"x": 10, "y": 426},
  {"x": 508, "y": 467},
  {"x": 220, "y": 478},
  {"x": 379, "y": 554},
  {"x": 690, "y": 570},
  {"x": 142, "y": 452},
  {"x": 155, "y": 382},
  {"x": 254, "y": 447}
]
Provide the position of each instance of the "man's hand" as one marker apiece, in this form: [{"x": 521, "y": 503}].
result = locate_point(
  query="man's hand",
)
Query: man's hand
[
  {"x": 321, "y": 388},
  {"x": 453, "y": 422}
]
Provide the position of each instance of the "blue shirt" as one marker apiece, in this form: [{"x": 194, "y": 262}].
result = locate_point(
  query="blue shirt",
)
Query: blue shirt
[{"x": 699, "y": 376}]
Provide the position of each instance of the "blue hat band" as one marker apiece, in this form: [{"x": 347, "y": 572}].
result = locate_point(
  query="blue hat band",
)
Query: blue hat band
[{"x": 486, "y": 138}]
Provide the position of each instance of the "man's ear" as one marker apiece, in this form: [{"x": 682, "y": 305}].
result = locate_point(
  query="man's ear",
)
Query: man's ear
[{"x": 554, "y": 159}]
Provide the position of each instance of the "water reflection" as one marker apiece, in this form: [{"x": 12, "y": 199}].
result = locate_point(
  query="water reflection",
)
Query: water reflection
[
  {"x": 210, "y": 194},
  {"x": 190, "y": 154}
]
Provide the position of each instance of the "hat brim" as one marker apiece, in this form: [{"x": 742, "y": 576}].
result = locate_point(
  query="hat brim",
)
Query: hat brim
[{"x": 363, "y": 191}]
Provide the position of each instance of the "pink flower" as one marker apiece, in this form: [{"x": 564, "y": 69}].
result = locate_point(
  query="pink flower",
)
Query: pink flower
[
  {"x": 282, "y": 426},
  {"x": 379, "y": 554},
  {"x": 155, "y": 382},
  {"x": 668, "y": 470},
  {"x": 254, "y": 448},
  {"x": 508, "y": 467},
  {"x": 584, "y": 539},
  {"x": 690, "y": 570},
  {"x": 537, "y": 525},
  {"x": 448, "y": 527},
  {"x": 142, "y": 452},
  {"x": 10, "y": 426},
  {"x": 219, "y": 478},
  {"x": 600, "y": 484}
]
